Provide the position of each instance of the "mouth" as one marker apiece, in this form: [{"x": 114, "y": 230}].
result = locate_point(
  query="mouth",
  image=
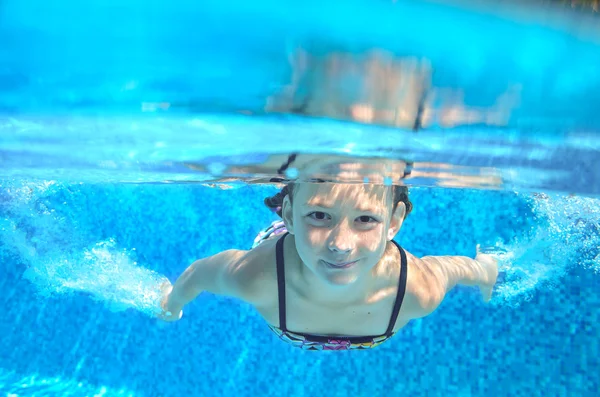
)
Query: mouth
[{"x": 339, "y": 265}]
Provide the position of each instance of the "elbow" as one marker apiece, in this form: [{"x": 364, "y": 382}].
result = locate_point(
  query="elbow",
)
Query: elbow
[
  {"x": 429, "y": 299},
  {"x": 430, "y": 304}
]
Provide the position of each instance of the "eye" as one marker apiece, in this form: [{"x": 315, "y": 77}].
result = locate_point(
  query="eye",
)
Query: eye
[
  {"x": 367, "y": 219},
  {"x": 319, "y": 216}
]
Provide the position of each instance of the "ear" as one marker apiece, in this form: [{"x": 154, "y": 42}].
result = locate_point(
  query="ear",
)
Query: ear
[
  {"x": 287, "y": 214},
  {"x": 396, "y": 221}
]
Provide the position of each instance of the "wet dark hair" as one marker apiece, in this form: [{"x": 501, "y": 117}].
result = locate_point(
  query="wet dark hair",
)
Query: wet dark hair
[{"x": 399, "y": 195}]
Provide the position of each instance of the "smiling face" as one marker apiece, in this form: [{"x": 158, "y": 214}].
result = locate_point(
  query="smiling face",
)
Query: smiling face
[{"x": 341, "y": 230}]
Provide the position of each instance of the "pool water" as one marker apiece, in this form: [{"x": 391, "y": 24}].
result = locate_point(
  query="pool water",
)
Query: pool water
[
  {"x": 68, "y": 332},
  {"x": 120, "y": 123}
]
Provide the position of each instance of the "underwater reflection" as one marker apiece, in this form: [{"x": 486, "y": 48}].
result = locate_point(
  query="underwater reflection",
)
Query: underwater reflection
[
  {"x": 342, "y": 168},
  {"x": 380, "y": 88}
]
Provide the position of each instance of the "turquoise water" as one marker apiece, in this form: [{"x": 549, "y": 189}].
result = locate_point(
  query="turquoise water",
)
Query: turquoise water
[
  {"x": 82, "y": 264},
  {"x": 102, "y": 195}
]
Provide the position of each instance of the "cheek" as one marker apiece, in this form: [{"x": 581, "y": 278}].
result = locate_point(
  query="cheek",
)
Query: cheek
[
  {"x": 374, "y": 240},
  {"x": 316, "y": 236},
  {"x": 313, "y": 238},
  {"x": 307, "y": 249},
  {"x": 306, "y": 238}
]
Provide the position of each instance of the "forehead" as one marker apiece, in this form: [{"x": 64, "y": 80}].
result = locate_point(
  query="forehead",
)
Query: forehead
[{"x": 360, "y": 196}]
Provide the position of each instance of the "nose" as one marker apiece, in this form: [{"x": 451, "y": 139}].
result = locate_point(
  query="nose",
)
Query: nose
[{"x": 341, "y": 239}]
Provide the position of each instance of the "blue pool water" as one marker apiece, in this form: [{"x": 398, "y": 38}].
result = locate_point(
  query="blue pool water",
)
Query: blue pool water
[
  {"x": 99, "y": 203},
  {"x": 539, "y": 336}
]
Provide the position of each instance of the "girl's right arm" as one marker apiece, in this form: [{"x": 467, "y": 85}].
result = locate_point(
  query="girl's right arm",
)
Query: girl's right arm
[{"x": 218, "y": 274}]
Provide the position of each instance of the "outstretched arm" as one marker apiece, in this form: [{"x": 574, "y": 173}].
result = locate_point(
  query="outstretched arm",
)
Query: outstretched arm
[
  {"x": 215, "y": 274},
  {"x": 453, "y": 270},
  {"x": 431, "y": 277}
]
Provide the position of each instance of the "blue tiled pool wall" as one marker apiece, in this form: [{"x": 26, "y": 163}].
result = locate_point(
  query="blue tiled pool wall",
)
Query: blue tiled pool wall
[{"x": 545, "y": 346}]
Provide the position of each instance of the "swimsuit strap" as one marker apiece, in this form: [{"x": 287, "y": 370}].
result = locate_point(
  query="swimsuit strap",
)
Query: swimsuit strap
[
  {"x": 281, "y": 282},
  {"x": 401, "y": 291},
  {"x": 281, "y": 286}
]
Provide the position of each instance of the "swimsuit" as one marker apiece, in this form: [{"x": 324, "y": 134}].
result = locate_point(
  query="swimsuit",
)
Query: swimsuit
[{"x": 322, "y": 342}]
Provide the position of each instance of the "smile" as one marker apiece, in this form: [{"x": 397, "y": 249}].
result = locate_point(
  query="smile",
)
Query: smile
[{"x": 342, "y": 265}]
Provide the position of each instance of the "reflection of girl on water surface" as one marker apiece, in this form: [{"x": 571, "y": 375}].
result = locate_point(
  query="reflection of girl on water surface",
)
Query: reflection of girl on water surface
[
  {"x": 380, "y": 88},
  {"x": 329, "y": 276}
]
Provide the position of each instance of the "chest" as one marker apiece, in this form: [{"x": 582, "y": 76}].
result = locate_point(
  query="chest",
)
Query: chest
[{"x": 305, "y": 316}]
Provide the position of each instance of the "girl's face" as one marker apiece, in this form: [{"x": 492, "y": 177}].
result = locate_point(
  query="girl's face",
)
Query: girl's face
[{"x": 341, "y": 230}]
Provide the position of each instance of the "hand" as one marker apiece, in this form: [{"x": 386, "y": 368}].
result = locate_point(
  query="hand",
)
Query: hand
[
  {"x": 170, "y": 312},
  {"x": 490, "y": 264}
]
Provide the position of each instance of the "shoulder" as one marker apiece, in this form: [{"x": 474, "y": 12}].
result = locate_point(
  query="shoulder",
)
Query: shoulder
[
  {"x": 424, "y": 292},
  {"x": 253, "y": 274}
]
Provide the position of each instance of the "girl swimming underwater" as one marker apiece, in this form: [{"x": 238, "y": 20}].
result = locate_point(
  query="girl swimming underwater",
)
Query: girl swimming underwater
[{"x": 329, "y": 276}]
